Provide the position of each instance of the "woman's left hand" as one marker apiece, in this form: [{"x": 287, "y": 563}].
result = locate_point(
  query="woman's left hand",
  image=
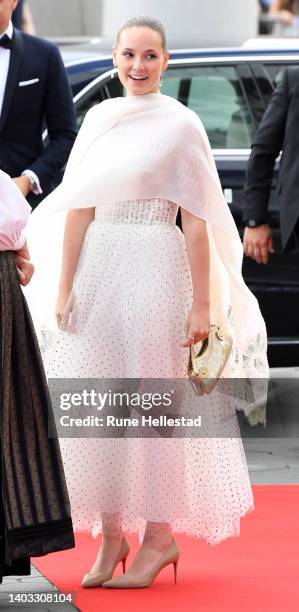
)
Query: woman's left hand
[{"x": 197, "y": 325}]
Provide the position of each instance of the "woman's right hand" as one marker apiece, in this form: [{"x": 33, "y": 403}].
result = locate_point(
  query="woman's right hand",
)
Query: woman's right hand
[
  {"x": 23, "y": 264},
  {"x": 64, "y": 307},
  {"x": 25, "y": 270}
]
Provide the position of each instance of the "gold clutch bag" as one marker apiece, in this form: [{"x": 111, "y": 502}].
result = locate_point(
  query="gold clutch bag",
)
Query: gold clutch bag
[{"x": 207, "y": 363}]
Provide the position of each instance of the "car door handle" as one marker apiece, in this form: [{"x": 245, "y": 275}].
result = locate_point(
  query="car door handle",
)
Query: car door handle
[{"x": 228, "y": 194}]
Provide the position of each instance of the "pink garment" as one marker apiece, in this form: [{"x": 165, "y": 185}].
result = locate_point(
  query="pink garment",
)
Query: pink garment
[{"x": 14, "y": 214}]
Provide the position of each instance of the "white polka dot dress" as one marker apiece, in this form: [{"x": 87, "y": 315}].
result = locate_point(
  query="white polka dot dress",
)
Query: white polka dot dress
[{"x": 133, "y": 291}]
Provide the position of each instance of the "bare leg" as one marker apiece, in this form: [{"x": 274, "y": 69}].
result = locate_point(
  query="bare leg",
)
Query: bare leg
[
  {"x": 112, "y": 536},
  {"x": 156, "y": 539}
]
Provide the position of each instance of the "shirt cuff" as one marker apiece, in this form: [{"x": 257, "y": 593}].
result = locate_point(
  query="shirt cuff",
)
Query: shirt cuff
[{"x": 34, "y": 180}]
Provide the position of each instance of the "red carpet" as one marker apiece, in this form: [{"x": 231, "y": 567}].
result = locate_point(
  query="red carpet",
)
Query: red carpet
[{"x": 259, "y": 571}]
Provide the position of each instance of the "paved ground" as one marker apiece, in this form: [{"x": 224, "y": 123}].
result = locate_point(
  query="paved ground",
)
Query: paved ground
[
  {"x": 270, "y": 461},
  {"x": 37, "y": 584},
  {"x": 273, "y": 461}
]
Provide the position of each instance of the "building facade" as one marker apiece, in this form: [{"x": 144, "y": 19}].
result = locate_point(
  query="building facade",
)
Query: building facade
[{"x": 188, "y": 23}]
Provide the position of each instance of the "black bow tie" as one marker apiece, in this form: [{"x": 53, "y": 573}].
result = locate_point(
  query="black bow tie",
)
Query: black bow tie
[{"x": 5, "y": 42}]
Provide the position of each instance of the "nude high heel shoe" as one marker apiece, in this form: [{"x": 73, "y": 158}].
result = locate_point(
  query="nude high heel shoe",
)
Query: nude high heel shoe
[
  {"x": 170, "y": 555},
  {"x": 94, "y": 580}
]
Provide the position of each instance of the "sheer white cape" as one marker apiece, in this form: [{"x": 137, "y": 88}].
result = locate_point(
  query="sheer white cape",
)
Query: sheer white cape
[{"x": 143, "y": 147}]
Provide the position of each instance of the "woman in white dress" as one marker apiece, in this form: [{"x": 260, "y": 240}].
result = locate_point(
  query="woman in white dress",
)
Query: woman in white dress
[{"x": 134, "y": 294}]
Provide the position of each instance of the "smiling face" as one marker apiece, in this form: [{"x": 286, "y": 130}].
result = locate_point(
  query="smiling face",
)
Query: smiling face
[
  {"x": 6, "y": 9},
  {"x": 141, "y": 60}
]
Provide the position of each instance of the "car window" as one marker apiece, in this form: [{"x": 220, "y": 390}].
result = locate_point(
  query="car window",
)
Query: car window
[
  {"x": 275, "y": 71},
  {"x": 215, "y": 94},
  {"x": 95, "y": 95}
]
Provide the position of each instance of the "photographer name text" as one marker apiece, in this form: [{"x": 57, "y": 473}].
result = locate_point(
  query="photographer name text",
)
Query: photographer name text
[{"x": 144, "y": 421}]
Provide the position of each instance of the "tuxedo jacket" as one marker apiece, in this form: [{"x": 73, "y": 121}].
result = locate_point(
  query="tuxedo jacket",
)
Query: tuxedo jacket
[
  {"x": 37, "y": 95},
  {"x": 278, "y": 131}
]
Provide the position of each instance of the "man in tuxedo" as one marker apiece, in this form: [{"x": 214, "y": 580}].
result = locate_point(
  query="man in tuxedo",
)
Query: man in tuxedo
[
  {"x": 278, "y": 131},
  {"x": 34, "y": 92}
]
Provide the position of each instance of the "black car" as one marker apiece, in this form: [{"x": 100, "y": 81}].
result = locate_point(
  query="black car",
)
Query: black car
[{"x": 229, "y": 90}]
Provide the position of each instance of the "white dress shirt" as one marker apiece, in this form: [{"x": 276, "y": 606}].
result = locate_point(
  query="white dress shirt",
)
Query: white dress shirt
[
  {"x": 4, "y": 65},
  {"x": 14, "y": 214}
]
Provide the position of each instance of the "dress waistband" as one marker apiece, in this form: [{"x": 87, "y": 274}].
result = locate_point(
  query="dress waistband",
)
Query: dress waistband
[{"x": 153, "y": 211}]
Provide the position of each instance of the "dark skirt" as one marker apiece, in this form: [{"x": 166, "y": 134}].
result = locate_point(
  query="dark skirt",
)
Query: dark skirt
[{"x": 35, "y": 517}]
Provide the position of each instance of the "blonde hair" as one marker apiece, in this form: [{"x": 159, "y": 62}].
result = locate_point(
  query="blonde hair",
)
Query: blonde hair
[{"x": 143, "y": 21}]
